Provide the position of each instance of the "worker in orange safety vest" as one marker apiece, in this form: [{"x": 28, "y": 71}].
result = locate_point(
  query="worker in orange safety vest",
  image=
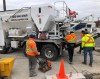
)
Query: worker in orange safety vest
[
  {"x": 71, "y": 41},
  {"x": 31, "y": 51}
]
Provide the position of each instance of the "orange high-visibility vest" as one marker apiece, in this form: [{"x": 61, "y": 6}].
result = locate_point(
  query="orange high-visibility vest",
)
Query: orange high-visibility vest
[
  {"x": 31, "y": 48},
  {"x": 71, "y": 38}
]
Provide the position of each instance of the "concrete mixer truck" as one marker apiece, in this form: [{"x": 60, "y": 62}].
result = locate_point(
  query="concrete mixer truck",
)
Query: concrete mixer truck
[{"x": 50, "y": 25}]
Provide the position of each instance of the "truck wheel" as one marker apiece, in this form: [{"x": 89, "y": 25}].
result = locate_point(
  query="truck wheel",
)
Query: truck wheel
[
  {"x": 3, "y": 50},
  {"x": 50, "y": 52},
  {"x": 24, "y": 50}
]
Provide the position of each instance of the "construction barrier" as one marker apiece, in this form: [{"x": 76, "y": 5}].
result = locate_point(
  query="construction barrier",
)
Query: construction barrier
[{"x": 6, "y": 65}]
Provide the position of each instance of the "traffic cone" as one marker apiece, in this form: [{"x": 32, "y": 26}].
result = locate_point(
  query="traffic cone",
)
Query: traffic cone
[{"x": 62, "y": 74}]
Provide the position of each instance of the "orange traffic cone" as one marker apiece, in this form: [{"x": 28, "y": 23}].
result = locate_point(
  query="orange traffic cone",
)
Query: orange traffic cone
[{"x": 61, "y": 74}]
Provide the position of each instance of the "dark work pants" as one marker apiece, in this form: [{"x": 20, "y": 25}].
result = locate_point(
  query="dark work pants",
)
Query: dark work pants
[
  {"x": 1, "y": 77},
  {"x": 32, "y": 65},
  {"x": 88, "y": 50},
  {"x": 70, "y": 51}
]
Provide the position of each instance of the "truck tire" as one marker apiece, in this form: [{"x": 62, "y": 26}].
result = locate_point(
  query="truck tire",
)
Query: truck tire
[
  {"x": 4, "y": 50},
  {"x": 49, "y": 52},
  {"x": 24, "y": 50}
]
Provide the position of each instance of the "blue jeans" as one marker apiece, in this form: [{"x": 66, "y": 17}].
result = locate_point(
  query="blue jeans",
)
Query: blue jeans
[{"x": 86, "y": 50}]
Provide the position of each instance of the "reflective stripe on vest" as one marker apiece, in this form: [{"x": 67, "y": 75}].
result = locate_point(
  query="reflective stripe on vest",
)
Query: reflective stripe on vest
[
  {"x": 89, "y": 41},
  {"x": 72, "y": 40},
  {"x": 28, "y": 49}
]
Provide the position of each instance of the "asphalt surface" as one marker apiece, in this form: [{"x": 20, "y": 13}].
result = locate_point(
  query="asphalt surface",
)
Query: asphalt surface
[{"x": 20, "y": 67}]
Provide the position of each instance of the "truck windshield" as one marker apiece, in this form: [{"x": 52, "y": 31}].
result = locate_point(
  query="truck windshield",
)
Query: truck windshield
[{"x": 80, "y": 26}]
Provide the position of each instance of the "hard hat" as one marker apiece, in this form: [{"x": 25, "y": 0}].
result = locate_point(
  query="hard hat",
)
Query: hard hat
[
  {"x": 82, "y": 31},
  {"x": 71, "y": 32},
  {"x": 31, "y": 35}
]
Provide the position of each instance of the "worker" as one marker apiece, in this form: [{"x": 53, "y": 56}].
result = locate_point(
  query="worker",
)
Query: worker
[
  {"x": 71, "y": 40},
  {"x": 88, "y": 44},
  {"x": 31, "y": 51},
  {"x": 82, "y": 34}
]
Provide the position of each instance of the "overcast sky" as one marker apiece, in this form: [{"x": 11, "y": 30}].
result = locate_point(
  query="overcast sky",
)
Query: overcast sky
[{"x": 83, "y": 7}]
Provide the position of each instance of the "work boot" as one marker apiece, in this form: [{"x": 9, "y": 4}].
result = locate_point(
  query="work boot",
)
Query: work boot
[
  {"x": 70, "y": 62},
  {"x": 32, "y": 75},
  {"x": 84, "y": 63},
  {"x": 90, "y": 65}
]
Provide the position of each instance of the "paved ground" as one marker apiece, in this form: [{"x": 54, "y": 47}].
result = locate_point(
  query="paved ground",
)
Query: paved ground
[{"x": 20, "y": 68}]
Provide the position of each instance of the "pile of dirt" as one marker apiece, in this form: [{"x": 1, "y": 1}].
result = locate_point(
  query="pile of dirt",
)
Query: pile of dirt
[
  {"x": 98, "y": 50},
  {"x": 89, "y": 75}
]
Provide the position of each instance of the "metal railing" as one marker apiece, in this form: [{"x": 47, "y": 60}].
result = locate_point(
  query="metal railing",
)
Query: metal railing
[{"x": 64, "y": 8}]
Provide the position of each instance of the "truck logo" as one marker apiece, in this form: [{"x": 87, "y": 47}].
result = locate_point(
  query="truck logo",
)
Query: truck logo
[{"x": 23, "y": 17}]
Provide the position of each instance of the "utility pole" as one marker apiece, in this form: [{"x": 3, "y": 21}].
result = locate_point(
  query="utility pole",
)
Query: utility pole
[
  {"x": 4, "y": 5},
  {"x": 98, "y": 22},
  {"x": 98, "y": 18}
]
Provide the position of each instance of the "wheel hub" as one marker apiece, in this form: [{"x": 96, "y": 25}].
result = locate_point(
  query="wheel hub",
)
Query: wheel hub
[{"x": 49, "y": 53}]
